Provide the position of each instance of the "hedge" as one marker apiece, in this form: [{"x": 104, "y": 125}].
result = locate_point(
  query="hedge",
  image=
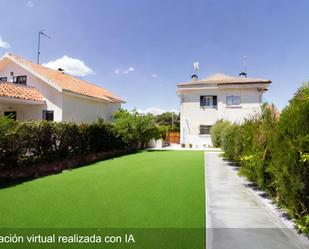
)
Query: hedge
[
  {"x": 216, "y": 136},
  {"x": 27, "y": 143},
  {"x": 274, "y": 153}
]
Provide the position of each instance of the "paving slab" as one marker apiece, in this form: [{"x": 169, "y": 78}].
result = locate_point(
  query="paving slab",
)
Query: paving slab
[{"x": 236, "y": 218}]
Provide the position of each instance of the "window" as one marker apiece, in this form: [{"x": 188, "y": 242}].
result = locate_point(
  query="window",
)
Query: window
[
  {"x": 48, "y": 115},
  {"x": 232, "y": 100},
  {"x": 208, "y": 101},
  {"x": 3, "y": 79},
  {"x": 20, "y": 80},
  {"x": 205, "y": 129},
  {"x": 10, "y": 114}
]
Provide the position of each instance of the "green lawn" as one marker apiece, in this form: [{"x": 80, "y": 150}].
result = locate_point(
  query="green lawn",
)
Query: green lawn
[{"x": 147, "y": 190}]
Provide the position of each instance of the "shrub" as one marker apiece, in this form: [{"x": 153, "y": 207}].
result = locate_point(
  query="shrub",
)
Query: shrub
[
  {"x": 134, "y": 128},
  {"x": 232, "y": 141},
  {"x": 28, "y": 143},
  {"x": 274, "y": 153},
  {"x": 8, "y": 145},
  {"x": 290, "y": 164},
  {"x": 163, "y": 131},
  {"x": 69, "y": 137},
  {"x": 216, "y": 133},
  {"x": 257, "y": 139}
]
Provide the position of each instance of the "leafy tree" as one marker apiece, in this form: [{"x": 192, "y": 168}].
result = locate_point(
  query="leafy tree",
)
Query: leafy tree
[
  {"x": 134, "y": 128},
  {"x": 169, "y": 119}
]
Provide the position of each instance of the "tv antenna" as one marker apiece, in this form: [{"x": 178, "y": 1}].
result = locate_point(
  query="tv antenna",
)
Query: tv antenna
[
  {"x": 41, "y": 33},
  {"x": 245, "y": 64},
  {"x": 244, "y": 73},
  {"x": 196, "y": 66}
]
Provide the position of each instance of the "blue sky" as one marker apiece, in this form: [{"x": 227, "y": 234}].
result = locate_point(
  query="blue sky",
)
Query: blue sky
[{"x": 140, "y": 49}]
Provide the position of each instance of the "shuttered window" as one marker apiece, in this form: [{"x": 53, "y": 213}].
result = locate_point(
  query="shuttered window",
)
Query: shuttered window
[
  {"x": 208, "y": 101},
  {"x": 205, "y": 129}
]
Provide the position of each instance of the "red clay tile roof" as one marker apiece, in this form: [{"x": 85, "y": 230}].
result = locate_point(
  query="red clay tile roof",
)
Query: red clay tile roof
[
  {"x": 68, "y": 82},
  {"x": 19, "y": 91}
]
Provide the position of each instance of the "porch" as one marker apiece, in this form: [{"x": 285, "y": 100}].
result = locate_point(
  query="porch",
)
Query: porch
[{"x": 21, "y": 102}]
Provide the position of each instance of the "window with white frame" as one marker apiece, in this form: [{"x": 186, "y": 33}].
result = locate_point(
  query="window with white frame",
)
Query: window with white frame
[{"x": 232, "y": 100}]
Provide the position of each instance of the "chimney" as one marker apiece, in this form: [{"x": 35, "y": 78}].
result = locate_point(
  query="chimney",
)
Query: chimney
[
  {"x": 61, "y": 70},
  {"x": 194, "y": 77},
  {"x": 243, "y": 74}
]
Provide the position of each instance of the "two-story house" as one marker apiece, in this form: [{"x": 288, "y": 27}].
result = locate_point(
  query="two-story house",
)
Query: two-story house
[
  {"x": 29, "y": 91},
  {"x": 219, "y": 96}
]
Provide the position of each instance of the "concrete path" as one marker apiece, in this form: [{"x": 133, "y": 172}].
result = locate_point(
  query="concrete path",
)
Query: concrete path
[{"x": 236, "y": 218}]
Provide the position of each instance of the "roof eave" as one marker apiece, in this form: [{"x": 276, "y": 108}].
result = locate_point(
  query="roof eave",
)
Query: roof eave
[
  {"x": 54, "y": 85},
  {"x": 197, "y": 83},
  {"x": 241, "y": 83},
  {"x": 29, "y": 101},
  {"x": 107, "y": 100}
]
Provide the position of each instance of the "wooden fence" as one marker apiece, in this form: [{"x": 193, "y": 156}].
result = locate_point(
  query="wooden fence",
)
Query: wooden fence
[{"x": 173, "y": 137}]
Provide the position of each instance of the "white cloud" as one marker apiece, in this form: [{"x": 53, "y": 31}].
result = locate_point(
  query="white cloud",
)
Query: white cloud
[
  {"x": 4, "y": 44},
  {"x": 117, "y": 71},
  {"x": 156, "y": 110},
  {"x": 130, "y": 69},
  {"x": 70, "y": 65},
  {"x": 154, "y": 75},
  {"x": 30, "y": 4}
]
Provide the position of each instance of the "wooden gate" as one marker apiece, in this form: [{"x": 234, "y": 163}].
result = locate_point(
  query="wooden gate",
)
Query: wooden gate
[{"x": 173, "y": 137}]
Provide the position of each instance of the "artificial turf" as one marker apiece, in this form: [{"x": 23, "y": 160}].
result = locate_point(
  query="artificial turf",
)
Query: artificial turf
[{"x": 146, "y": 190}]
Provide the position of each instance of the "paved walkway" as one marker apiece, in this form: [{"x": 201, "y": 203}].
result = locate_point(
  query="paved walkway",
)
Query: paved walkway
[
  {"x": 179, "y": 147},
  {"x": 236, "y": 218}
]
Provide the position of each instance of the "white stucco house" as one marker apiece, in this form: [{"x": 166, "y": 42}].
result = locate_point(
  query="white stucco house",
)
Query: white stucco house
[
  {"x": 29, "y": 91},
  {"x": 219, "y": 96}
]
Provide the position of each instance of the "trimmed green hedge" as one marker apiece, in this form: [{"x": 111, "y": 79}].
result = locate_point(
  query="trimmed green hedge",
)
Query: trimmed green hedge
[
  {"x": 28, "y": 143},
  {"x": 216, "y": 134},
  {"x": 274, "y": 153}
]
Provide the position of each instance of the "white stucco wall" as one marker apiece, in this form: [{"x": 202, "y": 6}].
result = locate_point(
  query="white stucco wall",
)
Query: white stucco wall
[
  {"x": 66, "y": 106},
  {"x": 52, "y": 97},
  {"x": 193, "y": 115},
  {"x": 23, "y": 111},
  {"x": 85, "y": 109}
]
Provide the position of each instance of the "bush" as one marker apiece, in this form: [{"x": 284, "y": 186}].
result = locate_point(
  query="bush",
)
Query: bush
[
  {"x": 274, "y": 153},
  {"x": 28, "y": 143},
  {"x": 134, "y": 128},
  {"x": 258, "y": 135},
  {"x": 232, "y": 141},
  {"x": 216, "y": 133},
  {"x": 290, "y": 162}
]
